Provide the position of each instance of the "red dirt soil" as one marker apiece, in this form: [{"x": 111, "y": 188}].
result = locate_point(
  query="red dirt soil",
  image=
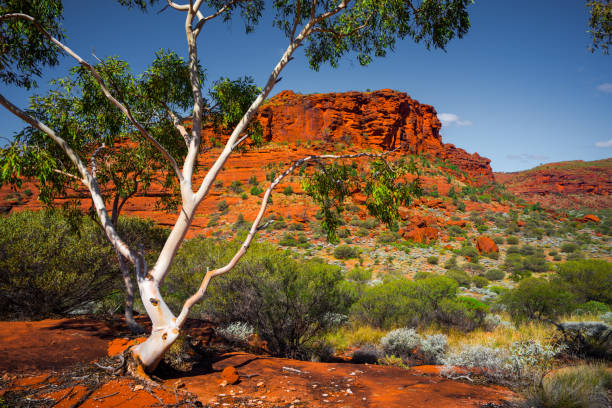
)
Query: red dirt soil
[{"x": 34, "y": 348}]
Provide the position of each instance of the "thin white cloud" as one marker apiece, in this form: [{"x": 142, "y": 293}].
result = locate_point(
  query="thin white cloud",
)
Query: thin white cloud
[
  {"x": 449, "y": 119},
  {"x": 607, "y": 143},
  {"x": 527, "y": 157},
  {"x": 605, "y": 87}
]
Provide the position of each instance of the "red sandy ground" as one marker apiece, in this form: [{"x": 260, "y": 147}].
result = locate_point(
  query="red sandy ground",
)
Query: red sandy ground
[{"x": 31, "y": 352}]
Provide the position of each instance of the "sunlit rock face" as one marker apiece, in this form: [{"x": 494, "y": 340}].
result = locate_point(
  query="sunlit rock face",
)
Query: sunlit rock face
[{"x": 383, "y": 119}]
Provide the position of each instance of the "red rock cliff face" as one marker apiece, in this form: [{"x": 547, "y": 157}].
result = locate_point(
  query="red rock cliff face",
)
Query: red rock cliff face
[
  {"x": 382, "y": 119},
  {"x": 572, "y": 184}
]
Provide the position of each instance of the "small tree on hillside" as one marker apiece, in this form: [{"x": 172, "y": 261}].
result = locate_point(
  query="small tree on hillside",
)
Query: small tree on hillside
[{"x": 328, "y": 30}]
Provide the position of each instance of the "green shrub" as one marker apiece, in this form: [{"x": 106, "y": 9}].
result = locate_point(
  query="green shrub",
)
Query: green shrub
[
  {"x": 511, "y": 240},
  {"x": 253, "y": 180},
  {"x": 459, "y": 276},
  {"x": 465, "y": 313},
  {"x": 343, "y": 233},
  {"x": 454, "y": 230},
  {"x": 422, "y": 275},
  {"x": 535, "y": 263},
  {"x": 359, "y": 274},
  {"x": 236, "y": 186},
  {"x": 388, "y": 237},
  {"x": 592, "y": 307},
  {"x": 288, "y": 190},
  {"x": 286, "y": 301},
  {"x": 346, "y": 252},
  {"x": 584, "y": 386},
  {"x": 54, "y": 262},
  {"x": 499, "y": 240},
  {"x": 574, "y": 256},
  {"x": 288, "y": 240},
  {"x": 401, "y": 302},
  {"x": 470, "y": 252},
  {"x": 256, "y": 190},
  {"x": 298, "y": 226},
  {"x": 432, "y": 260},
  {"x": 451, "y": 263},
  {"x": 569, "y": 247},
  {"x": 513, "y": 262},
  {"x": 222, "y": 206},
  {"x": 495, "y": 274},
  {"x": 480, "y": 281},
  {"x": 537, "y": 298},
  {"x": 513, "y": 249},
  {"x": 588, "y": 279}
]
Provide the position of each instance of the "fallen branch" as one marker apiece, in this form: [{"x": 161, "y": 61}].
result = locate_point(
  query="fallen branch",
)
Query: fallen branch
[{"x": 105, "y": 396}]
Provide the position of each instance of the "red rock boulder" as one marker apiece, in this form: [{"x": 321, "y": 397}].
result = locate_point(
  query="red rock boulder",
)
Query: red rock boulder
[
  {"x": 486, "y": 245},
  {"x": 589, "y": 218},
  {"x": 423, "y": 235},
  {"x": 229, "y": 376}
]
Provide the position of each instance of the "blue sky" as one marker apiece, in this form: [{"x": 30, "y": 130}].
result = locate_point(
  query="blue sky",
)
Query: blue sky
[{"x": 520, "y": 88}]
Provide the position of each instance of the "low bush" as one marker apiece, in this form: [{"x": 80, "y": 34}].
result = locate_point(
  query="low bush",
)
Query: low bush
[
  {"x": 523, "y": 362},
  {"x": 495, "y": 274},
  {"x": 54, "y": 262},
  {"x": 459, "y": 276},
  {"x": 584, "y": 386},
  {"x": 432, "y": 260},
  {"x": 401, "y": 342},
  {"x": 388, "y": 237},
  {"x": 288, "y": 302},
  {"x": 236, "y": 332},
  {"x": 469, "y": 252},
  {"x": 401, "y": 302},
  {"x": 346, "y": 252},
  {"x": 569, "y": 247},
  {"x": 256, "y": 190},
  {"x": 537, "y": 298},
  {"x": 288, "y": 240},
  {"x": 588, "y": 279},
  {"x": 407, "y": 344},
  {"x": 222, "y": 206},
  {"x": 480, "y": 281},
  {"x": 366, "y": 354},
  {"x": 236, "y": 187},
  {"x": 464, "y": 313},
  {"x": 512, "y": 240},
  {"x": 592, "y": 307}
]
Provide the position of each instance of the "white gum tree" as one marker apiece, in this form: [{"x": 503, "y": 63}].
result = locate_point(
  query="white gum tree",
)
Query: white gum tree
[{"x": 326, "y": 29}]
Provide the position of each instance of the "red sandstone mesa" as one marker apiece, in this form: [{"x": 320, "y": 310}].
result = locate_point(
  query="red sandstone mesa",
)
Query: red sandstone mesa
[{"x": 383, "y": 119}]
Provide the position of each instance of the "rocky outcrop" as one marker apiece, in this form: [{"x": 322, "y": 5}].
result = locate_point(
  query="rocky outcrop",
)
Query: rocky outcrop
[
  {"x": 383, "y": 119},
  {"x": 486, "y": 245},
  {"x": 573, "y": 184}
]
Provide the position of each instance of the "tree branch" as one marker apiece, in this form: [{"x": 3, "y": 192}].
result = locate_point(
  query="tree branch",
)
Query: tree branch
[
  {"x": 177, "y": 124},
  {"x": 63, "y": 173},
  {"x": 100, "y": 81},
  {"x": 196, "y": 297},
  {"x": 297, "y": 19},
  {"x": 89, "y": 181},
  {"x": 203, "y": 20},
  {"x": 94, "y": 167}
]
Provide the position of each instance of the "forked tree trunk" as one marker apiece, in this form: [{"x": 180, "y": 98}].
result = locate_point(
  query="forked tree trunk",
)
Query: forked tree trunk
[
  {"x": 131, "y": 323},
  {"x": 164, "y": 331}
]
